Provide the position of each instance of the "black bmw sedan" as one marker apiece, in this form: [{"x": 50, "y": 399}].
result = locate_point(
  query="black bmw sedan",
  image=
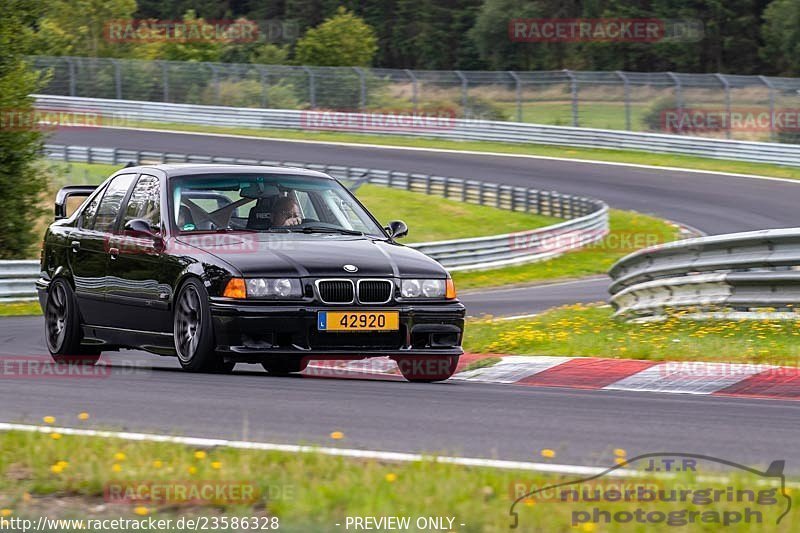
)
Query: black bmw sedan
[{"x": 219, "y": 265}]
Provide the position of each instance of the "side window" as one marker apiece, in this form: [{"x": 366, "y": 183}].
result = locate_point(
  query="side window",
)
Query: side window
[
  {"x": 86, "y": 219},
  {"x": 145, "y": 201},
  {"x": 109, "y": 206}
]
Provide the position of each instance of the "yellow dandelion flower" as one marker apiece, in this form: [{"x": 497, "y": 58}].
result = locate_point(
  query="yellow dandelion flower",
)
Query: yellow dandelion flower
[
  {"x": 116, "y": 467},
  {"x": 83, "y": 416},
  {"x": 336, "y": 435},
  {"x": 49, "y": 420},
  {"x": 548, "y": 453},
  {"x": 56, "y": 469},
  {"x": 619, "y": 452},
  {"x": 200, "y": 454},
  {"x": 141, "y": 511},
  {"x": 5, "y": 512},
  {"x": 157, "y": 464},
  {"x": 55, "y": 436},
  {"x": 391, "y": 477},
  {"x": 119, "y": 456},
  {"x": 192, "y": 470},
  {"x": 216, "y": 465}
]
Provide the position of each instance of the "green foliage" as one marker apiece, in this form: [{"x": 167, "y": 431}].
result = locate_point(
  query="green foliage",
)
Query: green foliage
[
  {"x": 20, "y": 183},
  {"x": 781, "y": 33},
  {"x": 739, "y": 36},
  {"x": 342, "y": 40},
  {"x": 76, "y": 28}
]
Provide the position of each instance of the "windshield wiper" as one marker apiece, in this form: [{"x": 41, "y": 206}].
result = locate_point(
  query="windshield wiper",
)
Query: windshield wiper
[{"x": 325, "y": 229}]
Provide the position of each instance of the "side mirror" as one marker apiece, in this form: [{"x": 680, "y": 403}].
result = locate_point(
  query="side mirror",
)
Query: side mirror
[
  {"x": 139, "y": 227},
  {"x": 397, "y": 229}
]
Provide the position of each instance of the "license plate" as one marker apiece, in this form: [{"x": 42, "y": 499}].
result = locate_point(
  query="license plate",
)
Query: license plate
[{"x": 358, "y": 320}]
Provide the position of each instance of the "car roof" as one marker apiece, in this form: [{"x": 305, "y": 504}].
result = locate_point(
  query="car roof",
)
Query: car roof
[{"x": 196, "y": 169}]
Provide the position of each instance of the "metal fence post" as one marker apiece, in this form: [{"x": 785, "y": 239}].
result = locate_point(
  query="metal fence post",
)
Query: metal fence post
[
  {"x": 165, "y": 80},
  {"x": 362, "y": 97},
  {"x": 464, "y": 83},
  {"x": 414, "y": 88},
  {"x": 312, "y": 90},
  {"x": 727, "y": 88},
  {"x": 574, "y": 90},
  {"x": 263, "y": 75},
  {"x": 215, "y": 80},
  {"x": 117, "y": 79},
  {"x": 627, "y": 91},
  {"x": 766, "y": 81},
  {"x": 518, "y": 84},
  {"x": 71, "y": 70},
  {"x": 678, "y": 92}
]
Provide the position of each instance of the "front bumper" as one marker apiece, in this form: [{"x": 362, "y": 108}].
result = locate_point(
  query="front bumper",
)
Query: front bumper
[{"x": 252, "y": 332}]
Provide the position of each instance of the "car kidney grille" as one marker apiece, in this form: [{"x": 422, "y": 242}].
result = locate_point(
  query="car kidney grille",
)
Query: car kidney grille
[
  {"x": 374, "y": 291},
  {"x": 336, "y": 291}
]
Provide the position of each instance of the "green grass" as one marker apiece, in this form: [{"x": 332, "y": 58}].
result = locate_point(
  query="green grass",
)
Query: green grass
[
  {"x": 591, "y": 331},
  {"x": 20, "y": 309},
  {"x": 82, "y": 173},
  {"x": 431, "y": 218},
  {"x": 630, "y": 231},
  {"x": 620, "y": 156},
  {"x": 68, "y": 477}
]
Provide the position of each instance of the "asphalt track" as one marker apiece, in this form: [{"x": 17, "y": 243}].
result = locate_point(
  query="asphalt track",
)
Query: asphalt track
[{"x": 480, "y": 420}]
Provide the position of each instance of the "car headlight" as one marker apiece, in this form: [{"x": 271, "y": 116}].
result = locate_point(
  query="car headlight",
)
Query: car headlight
[
  {"x": 270, "y": 288},
  {"x": 428, "y": 288}
]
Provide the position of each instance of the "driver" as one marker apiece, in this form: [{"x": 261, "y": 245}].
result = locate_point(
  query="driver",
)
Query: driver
[{"x": 286, "y": 212}]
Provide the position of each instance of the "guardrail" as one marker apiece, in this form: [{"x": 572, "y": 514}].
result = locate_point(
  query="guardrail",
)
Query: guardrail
[
  {"x": 17, "y": 279},
  {"x": 133, "y": 113},
  {"x": 748, "y": 275}
]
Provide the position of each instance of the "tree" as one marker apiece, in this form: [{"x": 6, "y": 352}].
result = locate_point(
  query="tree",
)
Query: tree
[
  {"x": 78, "y": 27},
  {"x": 781, "y": 33},
  {"x": 21, "y": 183},
  {"x": 342, "y": 40}
]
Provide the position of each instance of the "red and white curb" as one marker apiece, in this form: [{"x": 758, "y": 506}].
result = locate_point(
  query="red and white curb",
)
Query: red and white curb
[{"x": 681, "y": 377}]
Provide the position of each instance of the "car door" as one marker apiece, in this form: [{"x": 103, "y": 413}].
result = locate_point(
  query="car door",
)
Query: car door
[
  {"x": 135, "y": 293},
  {"x": 89, "y": 249}
]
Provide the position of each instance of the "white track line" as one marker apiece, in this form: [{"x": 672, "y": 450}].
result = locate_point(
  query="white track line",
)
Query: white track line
[
  {"x": 468, "y": 152},
  {"x": 339, "y": 452}
]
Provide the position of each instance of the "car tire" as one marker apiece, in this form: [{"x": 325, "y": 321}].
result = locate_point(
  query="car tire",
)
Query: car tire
[
  {"x": 193, "y": 331},
  {"x": 427, "y": 369},
  {"x": 281, "y": 366},
  {"x": 62, "y": 326}
]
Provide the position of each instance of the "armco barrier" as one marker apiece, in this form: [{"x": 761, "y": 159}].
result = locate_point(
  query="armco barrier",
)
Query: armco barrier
[
  {"x": 124, "y": 112},
  {"x": 17, "y": 279},
  {"x": 750, "y": 275},
  {"x": 586, "y": 219}
]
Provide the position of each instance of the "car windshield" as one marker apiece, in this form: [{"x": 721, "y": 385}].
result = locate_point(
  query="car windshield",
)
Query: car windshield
[{"x": 268, "y": 203}]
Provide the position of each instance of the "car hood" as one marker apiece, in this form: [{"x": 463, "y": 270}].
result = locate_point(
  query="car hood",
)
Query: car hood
[{"x": 314, "y": 255}]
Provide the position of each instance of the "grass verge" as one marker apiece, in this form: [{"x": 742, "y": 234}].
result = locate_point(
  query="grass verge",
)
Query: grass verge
[
  {"x": 61, "y": 476},
  {"x": 20, "y": 309},
  {"x": 629, "y": 231},
  {"x": 597, "y": 154},
  {"x": 590, "y": 330}
]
